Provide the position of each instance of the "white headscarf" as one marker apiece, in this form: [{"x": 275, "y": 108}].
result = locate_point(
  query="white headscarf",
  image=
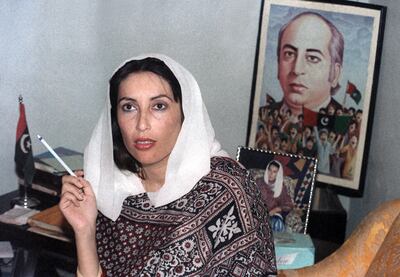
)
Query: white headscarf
[
  {"x": 278, "y": 185},
  {"x": 188, "y": 162}
]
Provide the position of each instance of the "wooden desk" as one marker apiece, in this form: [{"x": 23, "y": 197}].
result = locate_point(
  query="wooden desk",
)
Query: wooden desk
[{"x": 43, "y": 253}]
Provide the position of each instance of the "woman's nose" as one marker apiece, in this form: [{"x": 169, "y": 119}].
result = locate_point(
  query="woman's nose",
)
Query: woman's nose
[{"x": 143, "y": 123}]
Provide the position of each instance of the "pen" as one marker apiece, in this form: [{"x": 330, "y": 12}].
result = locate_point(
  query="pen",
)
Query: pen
[{"x": 56, "y": 156}]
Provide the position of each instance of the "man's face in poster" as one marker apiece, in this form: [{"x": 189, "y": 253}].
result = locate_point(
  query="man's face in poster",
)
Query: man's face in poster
[{"x": 304, "y": 64}]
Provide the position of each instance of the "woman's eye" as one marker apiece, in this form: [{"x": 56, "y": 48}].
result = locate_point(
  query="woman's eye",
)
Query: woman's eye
[
  {"x": 128, "y": 107},
  {"x": 160, "y": 106}
]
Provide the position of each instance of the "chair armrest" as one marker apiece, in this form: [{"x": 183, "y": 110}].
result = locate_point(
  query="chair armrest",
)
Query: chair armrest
[{"x": 354, "y": 257}]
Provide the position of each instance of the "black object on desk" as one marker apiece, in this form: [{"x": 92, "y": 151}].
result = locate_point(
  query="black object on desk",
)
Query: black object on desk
[
  {"x": 44, "y": 254},
  {"x": 327, "y": 222}
]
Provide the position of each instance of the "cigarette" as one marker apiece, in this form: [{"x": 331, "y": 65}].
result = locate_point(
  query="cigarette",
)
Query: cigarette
[{"x": 56, "y": 156}]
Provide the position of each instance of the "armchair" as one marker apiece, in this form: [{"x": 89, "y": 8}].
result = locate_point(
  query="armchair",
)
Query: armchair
[{"x": 373, "y": 249}]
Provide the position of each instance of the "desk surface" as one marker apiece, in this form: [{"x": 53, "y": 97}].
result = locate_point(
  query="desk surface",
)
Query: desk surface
[{"x": 59, "y": 251}]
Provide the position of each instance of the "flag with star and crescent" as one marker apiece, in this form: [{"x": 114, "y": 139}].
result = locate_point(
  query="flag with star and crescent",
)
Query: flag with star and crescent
[
  {"x": 337, "y": 123},
  {"x": 23, "y": 148}
]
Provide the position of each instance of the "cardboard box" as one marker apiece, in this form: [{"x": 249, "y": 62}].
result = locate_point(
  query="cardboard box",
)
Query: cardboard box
[{"x": 293, "y": 250}]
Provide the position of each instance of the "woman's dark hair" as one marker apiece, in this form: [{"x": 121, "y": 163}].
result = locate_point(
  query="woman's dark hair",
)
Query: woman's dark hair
[
  {"x": 122, "y": 158},
  {"x": 274, "y": 163}
]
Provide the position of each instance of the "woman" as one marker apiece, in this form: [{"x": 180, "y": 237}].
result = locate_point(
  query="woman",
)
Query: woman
[
  {"x": 170, "y": 203},
  {"x": 274, "y": 191}
]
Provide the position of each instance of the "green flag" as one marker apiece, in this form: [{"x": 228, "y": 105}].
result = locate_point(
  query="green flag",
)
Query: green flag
[{"x": 342, "y": 123}]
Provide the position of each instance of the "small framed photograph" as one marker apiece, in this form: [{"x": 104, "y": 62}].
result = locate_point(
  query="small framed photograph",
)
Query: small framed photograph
[
  {"x": 286, "y": 184},
  {"x": 315, "y": 85}
]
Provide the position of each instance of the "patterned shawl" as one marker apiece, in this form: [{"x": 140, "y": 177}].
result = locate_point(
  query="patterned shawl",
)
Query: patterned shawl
[{"x": 219, "y": 228}]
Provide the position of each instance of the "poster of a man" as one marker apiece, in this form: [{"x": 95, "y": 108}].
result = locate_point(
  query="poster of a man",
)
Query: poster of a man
[{"x": 315, "y": 69}]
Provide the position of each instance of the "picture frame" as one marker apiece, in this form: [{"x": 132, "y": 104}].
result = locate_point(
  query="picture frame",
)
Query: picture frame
[
  {"x": 299, "y": 85},
  {"x": 289, "y": 195}
]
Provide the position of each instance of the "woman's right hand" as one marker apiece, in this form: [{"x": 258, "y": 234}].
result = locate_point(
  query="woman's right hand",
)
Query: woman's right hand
[{"x": 78, "y": 203}]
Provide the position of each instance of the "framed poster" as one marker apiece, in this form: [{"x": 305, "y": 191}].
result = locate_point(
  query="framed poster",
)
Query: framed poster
[
  {"x": 286, "y": 183},
  {"x": 315, "y": 85}
]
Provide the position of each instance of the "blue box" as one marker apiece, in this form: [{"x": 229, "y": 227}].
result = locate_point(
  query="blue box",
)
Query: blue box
[{"x": 293, "y": 250}]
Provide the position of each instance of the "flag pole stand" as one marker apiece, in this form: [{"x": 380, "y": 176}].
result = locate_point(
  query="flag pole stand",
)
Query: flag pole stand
[
  {"x": 25, "y": 201},
  {"x": 24, "y": 158}
]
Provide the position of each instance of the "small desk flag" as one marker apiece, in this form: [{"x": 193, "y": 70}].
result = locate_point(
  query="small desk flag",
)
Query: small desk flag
[{"x": 23, "y": 147}]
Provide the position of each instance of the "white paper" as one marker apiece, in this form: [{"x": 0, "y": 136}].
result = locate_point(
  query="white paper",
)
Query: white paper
[{"x": 17, "y": 215}]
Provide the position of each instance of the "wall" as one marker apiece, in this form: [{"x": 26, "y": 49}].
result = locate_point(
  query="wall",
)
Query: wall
[
  {"x": 382, "y": 181},
  {"x": 60, "y": 54}
]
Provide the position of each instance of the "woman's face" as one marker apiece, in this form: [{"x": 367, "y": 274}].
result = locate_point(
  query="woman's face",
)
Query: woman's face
[
  {"x": 149, "y": 118},
  {"x": 272, "y": 172}
]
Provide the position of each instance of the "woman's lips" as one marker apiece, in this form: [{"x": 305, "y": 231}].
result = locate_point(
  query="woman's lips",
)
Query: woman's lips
[{"x": 144, "y": 144}]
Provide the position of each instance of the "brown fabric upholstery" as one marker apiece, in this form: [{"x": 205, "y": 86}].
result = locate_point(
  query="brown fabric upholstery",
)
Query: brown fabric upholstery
[
  {"x": 387, "y": 260},
  {"x": 365, "y": 250}
]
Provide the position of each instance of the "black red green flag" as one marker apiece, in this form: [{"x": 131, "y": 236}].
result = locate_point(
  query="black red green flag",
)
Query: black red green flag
[
  {"x": 326, "y": 122},
  {"x": 23, "y": 147},
  {"x": 322, "y": 121},
  {"x": 353, "y": 92}
]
